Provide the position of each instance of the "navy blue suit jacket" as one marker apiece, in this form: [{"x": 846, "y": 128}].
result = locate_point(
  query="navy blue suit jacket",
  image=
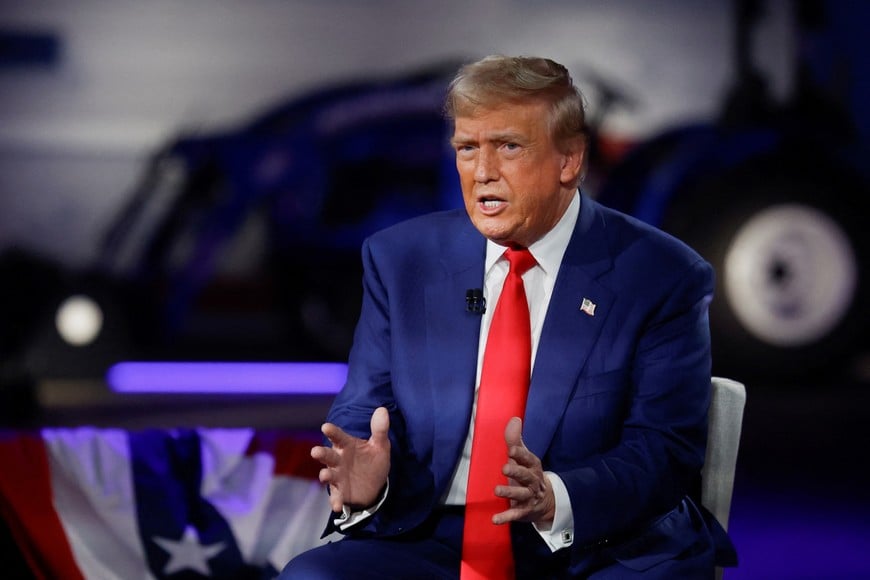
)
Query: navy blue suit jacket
[{"x": 617, "y": 402}]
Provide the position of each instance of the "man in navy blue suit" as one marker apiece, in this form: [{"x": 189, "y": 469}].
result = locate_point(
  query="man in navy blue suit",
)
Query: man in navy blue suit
[{"x": 604, "y": 467}]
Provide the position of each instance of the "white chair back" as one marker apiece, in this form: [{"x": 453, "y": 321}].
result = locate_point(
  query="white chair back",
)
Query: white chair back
[{"x": 723, "y": 440}]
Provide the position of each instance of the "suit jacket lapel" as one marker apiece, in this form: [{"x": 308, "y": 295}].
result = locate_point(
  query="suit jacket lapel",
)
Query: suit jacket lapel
[
  {"x": 452, "y": 339},
  {"x": 569, "y": 333}
]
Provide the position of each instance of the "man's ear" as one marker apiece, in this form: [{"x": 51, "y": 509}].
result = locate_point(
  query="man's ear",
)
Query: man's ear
[{"x": 573, "y": 157}]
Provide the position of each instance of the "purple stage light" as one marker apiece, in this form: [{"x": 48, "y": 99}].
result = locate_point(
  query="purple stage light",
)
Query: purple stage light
[{"x": 248, "y": 378}]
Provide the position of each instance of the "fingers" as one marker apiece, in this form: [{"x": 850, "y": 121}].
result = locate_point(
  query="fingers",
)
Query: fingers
[
  {"x": 380, "y": 426},
  {"x": 527, "y": 504},
  {"x": 525, "y": 494},
  {"x": 519, "y": 514},
  {"x": 336, "y": 435},
  {"x": 326, "y": 455},
  {"x": 520, "y": 462},
  {"x": 517, "y": 451},
  {"x": 336, "y": 499},
  {"x": 531, "y": 498},
  {"x": 518, "y": 510},
  {"x": 527, "y": 482},
  {"x": 513, "y": 432}
]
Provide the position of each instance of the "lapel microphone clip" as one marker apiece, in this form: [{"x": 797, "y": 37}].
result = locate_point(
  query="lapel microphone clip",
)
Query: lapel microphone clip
[{"x": 474, "y": 301}]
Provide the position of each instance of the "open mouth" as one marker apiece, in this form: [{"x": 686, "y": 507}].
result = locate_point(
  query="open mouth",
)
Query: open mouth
[{"x": 490, "y": 204}]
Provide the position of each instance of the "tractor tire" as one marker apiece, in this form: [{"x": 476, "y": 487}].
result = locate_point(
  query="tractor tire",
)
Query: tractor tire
[{"x": 788, "y": 250}]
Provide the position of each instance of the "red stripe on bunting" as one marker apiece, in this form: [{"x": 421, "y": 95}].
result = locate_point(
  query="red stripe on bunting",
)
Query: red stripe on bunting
[
  {"x": 27, "y": 505},
  {"x": 292, "y": 452}
]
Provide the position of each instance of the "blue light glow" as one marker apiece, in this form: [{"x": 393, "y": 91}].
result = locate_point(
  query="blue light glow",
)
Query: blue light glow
[{"x": 248, "y": 378}]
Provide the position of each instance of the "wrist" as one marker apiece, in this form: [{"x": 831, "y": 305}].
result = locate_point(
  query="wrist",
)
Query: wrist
[{"x": 374, "y": 503}]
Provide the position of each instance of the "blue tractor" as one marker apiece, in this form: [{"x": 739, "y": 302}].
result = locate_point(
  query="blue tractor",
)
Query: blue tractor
[
  {"x": 775, "y": 195},
  {"x": 306, "y": 181}
]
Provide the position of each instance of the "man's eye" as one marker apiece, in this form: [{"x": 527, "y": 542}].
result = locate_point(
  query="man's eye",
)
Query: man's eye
[{"x": 511, "y": 146}]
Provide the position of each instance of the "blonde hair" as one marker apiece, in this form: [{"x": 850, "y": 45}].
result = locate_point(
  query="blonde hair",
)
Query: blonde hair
[{"x": 499, "y": 79}]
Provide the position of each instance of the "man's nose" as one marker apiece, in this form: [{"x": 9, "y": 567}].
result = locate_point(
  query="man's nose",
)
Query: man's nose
[{"x": 487, "y": 166}]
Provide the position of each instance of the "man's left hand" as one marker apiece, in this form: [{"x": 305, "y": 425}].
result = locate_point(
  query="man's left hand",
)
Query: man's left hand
[{"x": 529, "y": 490}]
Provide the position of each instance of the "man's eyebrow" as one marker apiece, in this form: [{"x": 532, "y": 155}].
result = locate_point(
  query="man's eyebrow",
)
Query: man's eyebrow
[
  {"x": 507, "y": 136},
  {"x": 460, "y": 140},
  {"x": 498, "y": 137}
]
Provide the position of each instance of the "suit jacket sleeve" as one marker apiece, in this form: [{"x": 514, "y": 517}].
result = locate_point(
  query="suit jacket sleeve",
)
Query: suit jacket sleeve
[{"x": 370, "y": 384}]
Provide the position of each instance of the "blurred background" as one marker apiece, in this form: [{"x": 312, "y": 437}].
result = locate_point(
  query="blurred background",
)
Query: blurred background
[{"x": 191, "y": 181}]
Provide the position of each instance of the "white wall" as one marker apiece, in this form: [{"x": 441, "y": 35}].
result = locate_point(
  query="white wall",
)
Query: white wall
[{"x": 73, "y": 138}]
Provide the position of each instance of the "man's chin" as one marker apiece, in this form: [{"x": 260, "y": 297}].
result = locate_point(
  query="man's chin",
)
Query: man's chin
[{"x": 499, "y": 237}]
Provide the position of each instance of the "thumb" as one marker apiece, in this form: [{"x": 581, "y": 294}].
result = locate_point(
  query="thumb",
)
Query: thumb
[
  {"x": 380, "y": 424},
  {"x": 513, "y": 432}
]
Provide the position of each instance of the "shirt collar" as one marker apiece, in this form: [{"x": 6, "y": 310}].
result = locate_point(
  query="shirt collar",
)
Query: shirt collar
[{"x": 547, "y": 251}]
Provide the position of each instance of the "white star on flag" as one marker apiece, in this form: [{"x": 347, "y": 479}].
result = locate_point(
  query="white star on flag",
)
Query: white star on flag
[{"x": 188, "y": 552}]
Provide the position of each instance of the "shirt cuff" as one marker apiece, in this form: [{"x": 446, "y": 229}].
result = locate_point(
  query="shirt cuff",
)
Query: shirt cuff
[
  {"x": 560, "y": 534},
  {"x": 349, "y": 518}
]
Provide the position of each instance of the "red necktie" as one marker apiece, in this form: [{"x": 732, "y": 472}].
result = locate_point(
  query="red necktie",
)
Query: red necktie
[{"x": 504, "y": 386}]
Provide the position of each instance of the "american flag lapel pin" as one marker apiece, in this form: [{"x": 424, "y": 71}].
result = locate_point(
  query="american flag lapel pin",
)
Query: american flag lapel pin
[{"x": 588, "y": 307}]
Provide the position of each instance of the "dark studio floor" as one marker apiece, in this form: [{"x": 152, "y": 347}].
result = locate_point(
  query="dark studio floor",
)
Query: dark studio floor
[{"x": 801, "y": 505}]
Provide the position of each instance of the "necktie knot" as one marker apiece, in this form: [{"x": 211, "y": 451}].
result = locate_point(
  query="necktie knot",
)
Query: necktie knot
[{"x": 521, "y": 260}]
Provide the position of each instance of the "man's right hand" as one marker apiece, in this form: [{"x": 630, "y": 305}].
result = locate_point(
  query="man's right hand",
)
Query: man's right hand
[{"x": 355, "y": 469}]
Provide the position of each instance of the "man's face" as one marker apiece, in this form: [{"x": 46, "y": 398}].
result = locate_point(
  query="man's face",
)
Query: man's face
[{"x": 516, "y": 182}]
